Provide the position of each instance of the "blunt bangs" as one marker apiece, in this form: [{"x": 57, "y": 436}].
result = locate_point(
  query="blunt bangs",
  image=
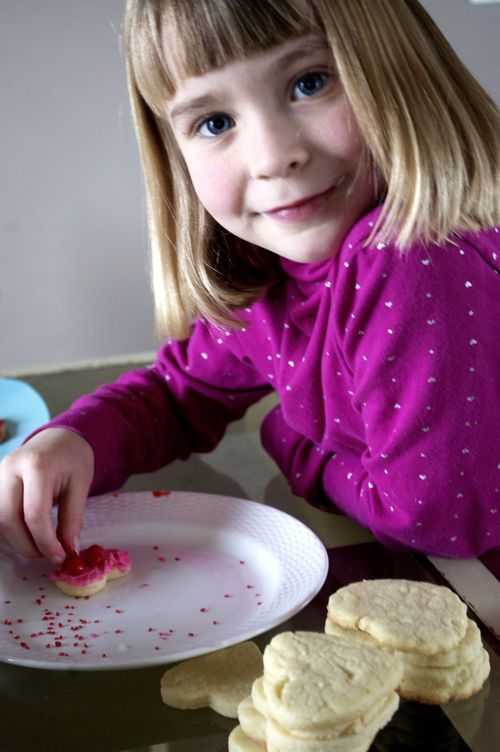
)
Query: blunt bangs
[{"x": 171, "y": 41}]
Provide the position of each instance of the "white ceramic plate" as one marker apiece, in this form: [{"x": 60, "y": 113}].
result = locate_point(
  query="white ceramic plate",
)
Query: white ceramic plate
[
  {"x": 208, "y": 572},
  {"x": 23, "y": 409}
]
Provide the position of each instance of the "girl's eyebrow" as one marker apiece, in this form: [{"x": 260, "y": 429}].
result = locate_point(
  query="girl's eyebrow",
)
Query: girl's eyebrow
[
  {"x": 181, "y": 110},
  {"x": 306, "y": 47}
]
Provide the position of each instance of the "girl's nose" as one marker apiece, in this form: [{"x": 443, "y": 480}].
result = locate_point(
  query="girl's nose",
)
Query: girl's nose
[{"x": 276, "y": 152}]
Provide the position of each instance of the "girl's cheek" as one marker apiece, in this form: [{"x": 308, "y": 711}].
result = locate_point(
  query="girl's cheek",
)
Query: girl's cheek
[
  {"x": 343, "y": 133},
  {"x": 214, "y": 188}
]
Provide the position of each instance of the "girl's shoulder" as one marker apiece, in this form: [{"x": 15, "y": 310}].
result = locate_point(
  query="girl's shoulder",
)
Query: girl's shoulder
[
  {"x": 462, "y": 251},
  {"x": 461, "y": 274}
]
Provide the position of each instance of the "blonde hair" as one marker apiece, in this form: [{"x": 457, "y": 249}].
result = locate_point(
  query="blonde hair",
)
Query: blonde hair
[{"x": 431, "y": 133}]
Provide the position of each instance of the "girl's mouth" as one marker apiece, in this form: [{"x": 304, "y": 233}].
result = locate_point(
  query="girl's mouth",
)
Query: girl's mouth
[{"x": 303, "y": 209}]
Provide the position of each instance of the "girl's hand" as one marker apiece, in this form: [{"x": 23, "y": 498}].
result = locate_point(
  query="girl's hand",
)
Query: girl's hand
[{"x": 56, "y": 465}]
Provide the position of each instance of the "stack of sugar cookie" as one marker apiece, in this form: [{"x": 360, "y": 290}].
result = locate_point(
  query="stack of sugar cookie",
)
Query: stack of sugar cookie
[
  {"x": 423, "y": 624},
  {"x": 318, "y": 693}
]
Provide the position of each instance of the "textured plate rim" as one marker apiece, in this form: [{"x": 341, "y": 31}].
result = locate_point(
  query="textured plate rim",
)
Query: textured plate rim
[{"x": 162, "y": 658}]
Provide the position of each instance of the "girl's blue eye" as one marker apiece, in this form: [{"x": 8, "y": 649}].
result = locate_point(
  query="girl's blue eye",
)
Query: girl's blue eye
[
  {"x": 308, "y": 85},
  {"x": 215, "y": 125}
]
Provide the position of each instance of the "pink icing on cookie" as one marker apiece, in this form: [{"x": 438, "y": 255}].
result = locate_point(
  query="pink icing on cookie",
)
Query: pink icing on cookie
[{"x": 91, "y": 565}]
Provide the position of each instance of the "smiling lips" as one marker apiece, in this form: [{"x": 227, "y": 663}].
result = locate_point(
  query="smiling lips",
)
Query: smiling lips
[{"x": 304, "y": 208}]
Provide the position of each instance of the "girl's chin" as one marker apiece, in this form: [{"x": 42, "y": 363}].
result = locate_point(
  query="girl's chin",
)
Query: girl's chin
[
  {"x": 311, "y": 245},
  {"x": 314, "y": 255}
]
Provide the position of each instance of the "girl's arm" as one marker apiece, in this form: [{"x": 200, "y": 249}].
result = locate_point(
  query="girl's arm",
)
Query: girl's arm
[{"x": 149, "y": 417}]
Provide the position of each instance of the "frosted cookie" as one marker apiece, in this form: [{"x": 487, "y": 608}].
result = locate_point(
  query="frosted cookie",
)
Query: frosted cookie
[
  {"x": 409, "y": 616},
  {"x": 88, "y": 572},
  {"x": 413, "y": 620},
  {"x": 316, "y": 684},
  {"x": 239, "y": 742},
  {"x": 219, "y": 680}
]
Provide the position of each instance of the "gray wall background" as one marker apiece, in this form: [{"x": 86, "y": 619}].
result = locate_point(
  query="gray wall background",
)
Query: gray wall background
[{"x": 74, "y": 279}]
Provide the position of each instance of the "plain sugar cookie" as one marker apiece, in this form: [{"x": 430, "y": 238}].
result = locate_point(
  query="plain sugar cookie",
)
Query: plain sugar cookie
[
  {"x": 424, "y": 625},
  {"x": 402, "y": 614},
  {"x": 251, "y": 720},
  {"x": 315, "y": 682},
  {"x": 219, "y": 680},
  {"x": 239, "y": 742}
]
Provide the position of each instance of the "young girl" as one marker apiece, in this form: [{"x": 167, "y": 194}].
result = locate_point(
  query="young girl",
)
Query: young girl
[{"x": 323, "y": 193}]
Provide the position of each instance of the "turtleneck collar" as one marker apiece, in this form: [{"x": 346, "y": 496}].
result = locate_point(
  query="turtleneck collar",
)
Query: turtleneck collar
[{"x": 312, "y": 273}]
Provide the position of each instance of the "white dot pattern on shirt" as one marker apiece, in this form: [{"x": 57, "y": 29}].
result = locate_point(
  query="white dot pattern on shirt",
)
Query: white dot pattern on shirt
[{"x": 433, "y": 322}]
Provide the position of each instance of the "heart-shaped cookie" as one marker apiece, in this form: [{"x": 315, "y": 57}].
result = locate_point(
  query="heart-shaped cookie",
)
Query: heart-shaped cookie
[{"x": 219, "y": 680}]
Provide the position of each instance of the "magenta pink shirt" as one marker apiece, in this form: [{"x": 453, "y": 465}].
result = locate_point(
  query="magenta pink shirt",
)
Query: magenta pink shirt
[{"x": 388, "y": 370}]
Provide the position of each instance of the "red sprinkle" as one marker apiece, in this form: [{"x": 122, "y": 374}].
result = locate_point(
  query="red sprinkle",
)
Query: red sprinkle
[{"x": 161, "y": 493}]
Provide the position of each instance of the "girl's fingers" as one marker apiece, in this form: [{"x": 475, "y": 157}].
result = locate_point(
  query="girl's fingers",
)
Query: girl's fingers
[
  {"x": 55, "y": 466},
  {"x": 13, "y": 529},
  {"x": 70, "y": 514},
  {"x": 38, "y": 500}
]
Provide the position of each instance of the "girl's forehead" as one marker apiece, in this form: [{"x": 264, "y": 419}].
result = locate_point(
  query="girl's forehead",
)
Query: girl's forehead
[
  {"x": 273, "y": 61},
  {"x": 200, "y": 92}
]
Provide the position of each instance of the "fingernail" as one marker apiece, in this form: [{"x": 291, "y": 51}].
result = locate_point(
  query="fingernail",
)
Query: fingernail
[
  {"x": 57, "y": 560},
  {"x": 76, "y": 545}
]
